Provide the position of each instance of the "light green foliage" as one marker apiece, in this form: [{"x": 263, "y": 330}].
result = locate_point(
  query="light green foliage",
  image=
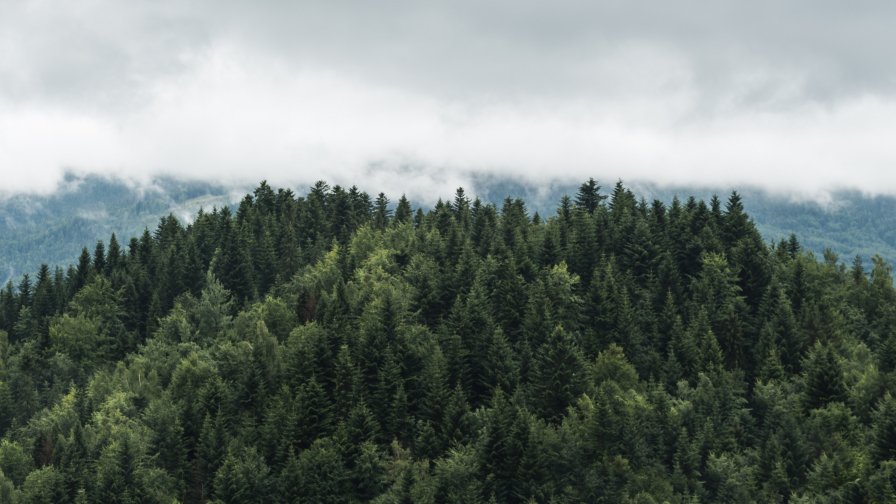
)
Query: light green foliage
[
  {"x": 611, "y": 365},
  {"x": 15, "y": 463},
  {"x": 43, "y": 486},
  {"x": 8, "y": 492},
  {"x": 80, "y": 338}
]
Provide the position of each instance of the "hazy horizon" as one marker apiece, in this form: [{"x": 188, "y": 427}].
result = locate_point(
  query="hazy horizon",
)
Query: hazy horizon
[
  {"x": 413, "y": 98},
  {"x": 492, "y": 188}
]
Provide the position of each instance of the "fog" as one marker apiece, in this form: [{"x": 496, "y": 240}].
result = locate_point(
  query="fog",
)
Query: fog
[{"x": 421, "y": 98}]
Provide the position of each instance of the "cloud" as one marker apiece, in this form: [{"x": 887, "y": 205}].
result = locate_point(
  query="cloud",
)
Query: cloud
[{"x": 420, "y": 98}]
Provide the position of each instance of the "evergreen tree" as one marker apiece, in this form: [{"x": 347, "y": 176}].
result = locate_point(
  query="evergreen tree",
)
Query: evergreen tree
[
  {"x": 589, "y": 197},
  {"x": 243, "y": 477},
  {"x": 558, "y": 374},
  {"x": 382, "y": 215},
  {"x": 884, "y": 440},
  {"x": 402, "y": 211},
  {"x": 43, "y": 303},
  {"x": 824, "y": 382},
  {"x": 99, "y": 257},
  {"x": 83, "y": 271},
  {"x": 231, "y": 265},
  {"x": 113, "y": 256}
]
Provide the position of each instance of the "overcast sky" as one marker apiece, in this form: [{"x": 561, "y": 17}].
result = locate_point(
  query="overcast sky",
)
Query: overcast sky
[{"x": 415, "y": 97}]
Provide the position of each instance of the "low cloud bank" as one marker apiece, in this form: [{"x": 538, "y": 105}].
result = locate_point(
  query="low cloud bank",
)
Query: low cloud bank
[{"x": 235, "y": 94}]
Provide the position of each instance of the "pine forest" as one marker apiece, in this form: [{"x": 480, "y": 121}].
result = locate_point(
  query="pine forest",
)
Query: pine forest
[{"x": 336, "y": 347}]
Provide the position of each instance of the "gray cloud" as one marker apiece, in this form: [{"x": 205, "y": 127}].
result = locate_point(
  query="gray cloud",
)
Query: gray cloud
[
  {"x": 798, "y": 94},
  {"x": 468, "y": 47}
]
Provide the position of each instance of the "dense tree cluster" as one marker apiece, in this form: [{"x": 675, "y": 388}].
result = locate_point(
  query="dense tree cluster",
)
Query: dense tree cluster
[{"x": 338, "y": 348}]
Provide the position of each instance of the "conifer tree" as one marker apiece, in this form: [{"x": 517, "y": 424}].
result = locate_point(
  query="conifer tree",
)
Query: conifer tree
[
  {"x": 113, "y": 256},
  {"x": 824, "y": 378},
  {"x": 558, "y": 374},
  {"x": 402, "y": 210},
  {"x": 382, "y": 215},
  {"x": 884, "y": 439},
  {"x": 589, "y": 197},
  {"x": 230, "y": 264}
]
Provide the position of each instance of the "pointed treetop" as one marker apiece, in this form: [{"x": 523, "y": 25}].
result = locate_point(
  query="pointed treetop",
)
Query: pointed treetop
[
  {"x": 588, "y": 197},
  {"x": 735, "y": 204}
]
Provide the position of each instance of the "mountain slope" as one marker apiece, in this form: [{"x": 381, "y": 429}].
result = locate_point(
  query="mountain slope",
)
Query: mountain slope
[
  {"x": 321, "y": 348},
  {"x": 53, "y": 228}
]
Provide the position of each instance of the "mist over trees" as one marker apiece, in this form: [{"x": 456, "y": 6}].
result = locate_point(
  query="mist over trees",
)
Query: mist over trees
[{"x": 338, "y": 347}]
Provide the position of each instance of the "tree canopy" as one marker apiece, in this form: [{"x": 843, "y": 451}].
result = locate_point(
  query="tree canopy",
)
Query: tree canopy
[{"x": 332, "y": 347}]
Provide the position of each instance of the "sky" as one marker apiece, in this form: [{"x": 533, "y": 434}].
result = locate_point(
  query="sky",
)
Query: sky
[{"x": 422, "y": 97}]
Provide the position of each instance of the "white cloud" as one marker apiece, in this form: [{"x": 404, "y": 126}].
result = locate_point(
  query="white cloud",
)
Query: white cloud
[{"x": 238, "y": 102}]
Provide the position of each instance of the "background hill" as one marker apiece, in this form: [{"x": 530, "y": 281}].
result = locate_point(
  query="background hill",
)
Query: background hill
[{"x": 53, "y": 228}]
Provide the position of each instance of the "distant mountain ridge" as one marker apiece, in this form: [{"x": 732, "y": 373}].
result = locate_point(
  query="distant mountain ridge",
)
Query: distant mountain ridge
[{"x": 53, "y": 228}]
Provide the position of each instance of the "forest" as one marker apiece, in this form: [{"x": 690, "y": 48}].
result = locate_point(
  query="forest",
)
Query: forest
[{"x": 338, "y": 347}]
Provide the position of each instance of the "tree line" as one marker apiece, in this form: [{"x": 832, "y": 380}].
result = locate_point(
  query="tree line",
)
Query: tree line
[{"x": 338, "y": 347}]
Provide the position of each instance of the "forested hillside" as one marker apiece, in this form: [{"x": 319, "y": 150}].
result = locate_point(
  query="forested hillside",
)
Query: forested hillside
[
  {"x": 848, "y": 222},
  {"x": 53, "y": 228},
  {"x": 336, "y": 348}
]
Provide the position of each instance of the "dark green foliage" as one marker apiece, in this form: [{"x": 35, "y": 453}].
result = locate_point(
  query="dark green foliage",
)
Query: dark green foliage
[
  {"x": 558, "y": 375},
  {"x": 403, "y": 211},
  {"x": 244, "y": 477},
  {"x": 885, "y": 430},
  {"x": 325, "y": 349},
  {"x": 589, "y": 197},
  {"x": 824, "y": 378}
]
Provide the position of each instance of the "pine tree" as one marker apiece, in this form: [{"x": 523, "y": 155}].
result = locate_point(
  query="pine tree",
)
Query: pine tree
[
  {"x": 43, "y": 304},
  {"x": 504, "y": 443},
  {"x": 558, "y": 374},
  {"x": 243, "y": 477},
  {"x": 231, "y": 265},
  {"x": 402, "y": 211},
  {"x": 461, "y": 208},
  {"x": 884, "y": 434},
  {"x": 382, "y": 215},
  {"x": 589, "y": 197},
  {"x": 83, "y": 271},
  {"x": 113, "y": 256},
  {"x": 824, "y": 378},
  {"x": 210, "y": 452}
]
